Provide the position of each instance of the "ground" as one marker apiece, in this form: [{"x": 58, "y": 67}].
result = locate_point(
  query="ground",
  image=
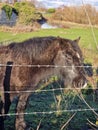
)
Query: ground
[{"x": 59, "y": 100}]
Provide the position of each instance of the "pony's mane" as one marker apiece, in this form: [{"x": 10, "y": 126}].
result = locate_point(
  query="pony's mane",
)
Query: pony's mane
[
  {"x": 3, "y": 48},
  {"x": 35, "y": 46}
]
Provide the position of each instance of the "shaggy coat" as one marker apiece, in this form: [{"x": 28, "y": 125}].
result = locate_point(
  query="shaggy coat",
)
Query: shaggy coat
[{"x": 18, "y": 70}]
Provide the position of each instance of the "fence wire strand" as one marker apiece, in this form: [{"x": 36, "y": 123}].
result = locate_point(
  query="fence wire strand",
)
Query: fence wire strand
[
  {"x": 46, "y": 90},
  {"x": 90, "y": 23},
  {"x": 53, "y": 89},
  {"x": 46, "y": 66},
  {"x": 49, "y": 112}
]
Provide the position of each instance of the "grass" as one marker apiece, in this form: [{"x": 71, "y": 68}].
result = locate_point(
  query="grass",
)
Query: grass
[
  {"x": 85, "y": 33},
  {"x": 44, "y": 101},
  {"x": 87, "y": 42}
]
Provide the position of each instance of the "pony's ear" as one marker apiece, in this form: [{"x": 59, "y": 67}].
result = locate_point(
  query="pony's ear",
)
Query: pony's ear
[{"x": 77, "y": 40}]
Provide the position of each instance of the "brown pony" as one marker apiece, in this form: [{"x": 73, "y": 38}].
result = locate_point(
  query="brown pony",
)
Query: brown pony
[{"x": 50, "y": 54}]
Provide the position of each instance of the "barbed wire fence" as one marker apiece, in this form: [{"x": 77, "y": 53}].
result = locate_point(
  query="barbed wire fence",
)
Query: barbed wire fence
[
  {"x": 61, "y": 89},
  {"x": 78, "y": 90}
]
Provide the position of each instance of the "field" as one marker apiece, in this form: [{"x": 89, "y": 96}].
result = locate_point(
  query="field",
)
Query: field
[
  {"x": 53, "y": 108},
  {"x": 59, "y": 101},
  {"x": 87, "y": 43}
]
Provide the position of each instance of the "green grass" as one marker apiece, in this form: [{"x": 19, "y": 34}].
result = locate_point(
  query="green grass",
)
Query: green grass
[
  {"x": 86, "y": 43},
  {"x": 87, "y": 39},
  {"x": 44, "y": 101}
]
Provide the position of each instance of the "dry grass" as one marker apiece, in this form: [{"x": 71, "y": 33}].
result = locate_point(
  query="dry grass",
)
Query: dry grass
[
  {"x": 16, "y": 29},
  {"x": 20, "y": 28}
]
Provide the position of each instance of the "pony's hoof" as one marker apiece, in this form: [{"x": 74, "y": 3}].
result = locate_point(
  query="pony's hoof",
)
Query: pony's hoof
[{"x": 21, "y": 126}]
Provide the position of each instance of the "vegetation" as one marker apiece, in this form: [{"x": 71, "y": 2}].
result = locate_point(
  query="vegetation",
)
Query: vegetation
[
  {"x": 76, "y": 14},
  {"x": 8, "y": 10},
  {"x": 57, "y": 100},
  {"x": 51, "y": 10},
  {"x": 86, "y": 43},
  {"x": 26, "y": 11},
  {"x": 50, "y": 101}
]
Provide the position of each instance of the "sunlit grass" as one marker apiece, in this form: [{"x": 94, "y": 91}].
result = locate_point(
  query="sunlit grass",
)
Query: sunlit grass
[
  {"x": 86, "y": 35},
  {"x": 87, "y": 41}
]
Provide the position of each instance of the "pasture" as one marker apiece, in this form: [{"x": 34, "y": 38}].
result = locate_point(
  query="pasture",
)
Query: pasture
[
  {"x": 58, "y": 101},
  {"x": 87, "y": 42}
]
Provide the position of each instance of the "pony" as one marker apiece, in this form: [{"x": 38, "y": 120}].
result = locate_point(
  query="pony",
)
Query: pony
[{"x": 23, "y": 65}]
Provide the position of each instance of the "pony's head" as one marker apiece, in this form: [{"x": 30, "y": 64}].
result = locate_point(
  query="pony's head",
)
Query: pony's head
[{"x": 70, "y": 57}]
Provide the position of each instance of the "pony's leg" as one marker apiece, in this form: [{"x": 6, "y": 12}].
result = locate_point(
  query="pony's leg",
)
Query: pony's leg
[
  {"x": 1, "y": 117},
  {"x": 19, "y": 122},
  {"x": 2, "y": 100}
]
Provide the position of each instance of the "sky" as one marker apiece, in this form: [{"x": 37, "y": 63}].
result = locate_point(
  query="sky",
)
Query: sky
[{"x": 57, "y": 3}]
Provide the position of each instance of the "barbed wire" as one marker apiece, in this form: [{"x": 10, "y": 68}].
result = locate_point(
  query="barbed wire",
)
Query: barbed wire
[
  {"x": 90, "y": 23},
  {"x": 49, "y": 112},
  {"x": 94, "y": 37},
  {"x": 48, "y": 90},
  {"x": 47, "y": 66}
]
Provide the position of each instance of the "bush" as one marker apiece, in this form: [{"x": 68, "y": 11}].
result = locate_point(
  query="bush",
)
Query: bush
[
  {"x": 8, "y": 10},
  {"x": 27, "y": 13},
  {"x": 19, "y": 5},
  {"x": 51, "y": 10},
  {"x": 76, "y": 14}
]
